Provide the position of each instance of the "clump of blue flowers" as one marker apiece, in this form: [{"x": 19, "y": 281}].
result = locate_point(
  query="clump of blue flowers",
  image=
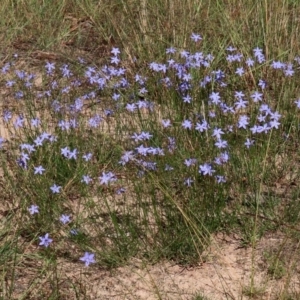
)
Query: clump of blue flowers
[{"x": 185, "y": 123}]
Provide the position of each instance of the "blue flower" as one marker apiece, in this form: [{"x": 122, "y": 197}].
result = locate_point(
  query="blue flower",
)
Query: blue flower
[
  {"x": 2, "y": 140},
  {"x": 217, "y": 132},
  {"x": 256, "y": 96},
  {"x": 19, "y": 122},
  {"x": 221, "y": 144},
  {"x": 33, "y": 209},
  {"x": 38, "y": 170},
  {"x": 65, "y": 151},
  {"x": 115, "y": 60},
  {"x": 230, "y": 49},
  {"x": 50, "y": 67},
  {"x": 202, "y": 126},
  {"x": 249, "y": 143},
  {"x": 188, "y": 182},
  {"x": 45, "y": 240},
  {"x": 262, "y": 83},
  {"x": 142, "y": 150},
  {"x": 187, "y": 99},
  {"x": 131, "y": 107},
  {"x": 65, "y": 219},
  {"x": 240, "y": 71},
  {"x": 167, "y": 123},
  {"x": 126, "y": 157},
  {"x": 187, "y": 124},
  {"x": 190, "y": 162},
  {"x": 115, "y": 51},
  {"x": 74, "y": 231},
  {"x": 116, "y": 96},
  {"x": 241, "y": 103},
  {"x": 220, "y": 179},
  {"x": 243, "y": 121},
  {"x": 86, "y": 179},
  {"x": 55, "y": 189},
  {"x": 250, "y": 62},
  {"x": 170, "y": 50},
  {"x": 168, "y": 168},
  {"x": 120, "y": 191},
  {"x": 72, "y": 154},
  {"x": 206, "y": 169},
  {"x": 88, "y": 258},
  {"x": 106, "y": 178},
  {"x": 196, "y": 37}
]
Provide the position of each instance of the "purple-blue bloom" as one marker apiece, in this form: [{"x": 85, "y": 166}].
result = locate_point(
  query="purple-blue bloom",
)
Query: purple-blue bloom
[
  {"x": 115, "y": 51},
  {"x": 35, "y": 122},
  {"x": 256, "y": 96},
  {"x": 116, "y": 96},
  {"x": 65, "y": 151},
  {"x": 120, "y": 191},
  {"x": 88, "y": 258},
  {"x": 212, "y": 114},
  {"x": 7, "y": 115},
  {"x": 215, "y": 98},
  {"x": 274, "y": 124},
  {"x": 142, "y": 150},
  {"x": 243, "y": 121},
  {"x": 249, "y": 143},
  {"x": 167, "y": 123},
  {"x": 39, "y": 170},
  {"x": 222, "y": 158},
  {"x": 170, "y": 50},
  {"x": 168, "y": 168},
  {"x": 241, "y": 103},
  {"x": 115, "y": 60},
  {"x": 202, "y": 126},
  {"x": 19, "y": 122},
  {"x": 65, "y": 71},
  {"x": 126, "y": 157},
  {"x": 86, "y": 179},
  {"x": 262, "y": 83},
  {"x": 74, "y": 231},
  {"x": 190, "y": 162},
  {"x": 45, "y": 240},
  {"x": 50, "y": 67},
  {"x": 196, "y": 37},
  {"x": 107, "y": 178},
  {"x": 187, "y": 99},
  {"x": 206, "y": 169},
  {"x": 72, "y": 154},
  {"x": 33, "y": 209},
  {"x": 2, "y": 140},
  {"x": 87, "y": 156},
  {"x": 188, "y": 182},
  {"x": 221, "y": 144},
  {"x": 240, "y": 71},
  {"x": 187, "y": 124},
  {"x": 131, "y": 107},
  {"x": 55, "y": 189},
  {"x": 171, "y": 144},
  {"x": 230, "y": 48},
  {"x": 142, "y": 136},
  {"x": 65, "y": 219},
  {"x": 217, "y": 132},
  {"x": 250, "y": 62},
  {"x": 220, "y": 179}
]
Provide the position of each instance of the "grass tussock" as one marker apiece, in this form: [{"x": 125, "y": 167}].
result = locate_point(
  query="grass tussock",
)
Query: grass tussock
[{"x": 138, "y": 129}]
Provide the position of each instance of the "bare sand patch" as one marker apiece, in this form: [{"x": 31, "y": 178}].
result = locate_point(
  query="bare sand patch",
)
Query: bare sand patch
[{"x": 224, "y": 273}]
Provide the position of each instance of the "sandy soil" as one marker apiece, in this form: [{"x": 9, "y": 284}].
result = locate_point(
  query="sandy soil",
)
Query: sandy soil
[{"x": 224, "y": 273}]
